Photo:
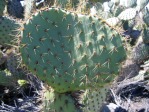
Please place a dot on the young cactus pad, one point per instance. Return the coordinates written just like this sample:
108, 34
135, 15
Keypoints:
71, 52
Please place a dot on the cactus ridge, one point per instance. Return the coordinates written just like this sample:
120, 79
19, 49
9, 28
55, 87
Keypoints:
71, 52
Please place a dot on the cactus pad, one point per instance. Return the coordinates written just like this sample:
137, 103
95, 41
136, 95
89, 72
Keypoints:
13, 64
8, 31
71, 52
140, 52
95, 98
128, 14
56, 102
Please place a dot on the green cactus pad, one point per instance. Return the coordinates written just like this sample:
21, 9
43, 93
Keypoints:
71, 52
56, 102
13, 64
8, 31
2, 6
95, 98
140, 52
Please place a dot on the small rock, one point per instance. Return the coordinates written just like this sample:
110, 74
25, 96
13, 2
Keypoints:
112, 108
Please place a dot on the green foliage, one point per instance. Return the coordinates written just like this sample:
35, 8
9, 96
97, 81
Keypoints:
71, 52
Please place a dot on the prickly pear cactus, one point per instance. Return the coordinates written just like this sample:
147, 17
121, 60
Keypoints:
8, 31
56, 102
71, 52
128, 14
140, 52
95, 98
2, 7
13, 64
